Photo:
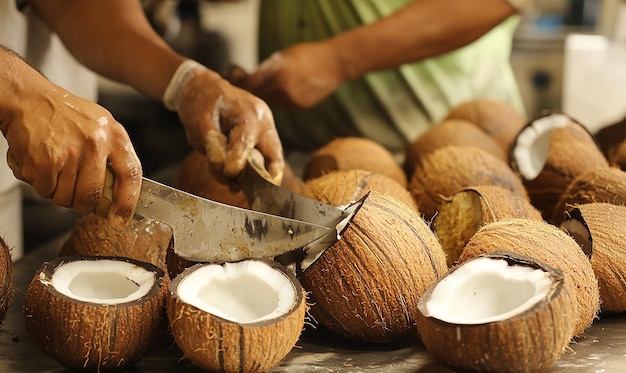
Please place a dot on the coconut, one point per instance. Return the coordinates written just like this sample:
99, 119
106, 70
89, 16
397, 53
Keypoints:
611, 136
550, 245
237, 317
600, 230
339, 188
145, 240
353, 153
365, 287
6, 279
598, 185
499, 312
95, 313
450, 132
446, 171
618, 157
549, 153
469, 209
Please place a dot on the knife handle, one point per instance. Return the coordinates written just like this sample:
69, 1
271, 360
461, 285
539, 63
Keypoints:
104, 205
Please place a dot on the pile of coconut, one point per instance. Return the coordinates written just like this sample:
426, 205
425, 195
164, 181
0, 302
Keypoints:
492, 229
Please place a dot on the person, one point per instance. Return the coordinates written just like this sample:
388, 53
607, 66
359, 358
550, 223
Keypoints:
381, 69
62, 144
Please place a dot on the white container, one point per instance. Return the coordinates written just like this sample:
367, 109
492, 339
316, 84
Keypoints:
7, 180
11, 222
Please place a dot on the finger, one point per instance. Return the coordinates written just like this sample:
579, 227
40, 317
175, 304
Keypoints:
43, 179
241, 140
127, 175
272, 150
263, 75
89, 186
215, 146
63, 194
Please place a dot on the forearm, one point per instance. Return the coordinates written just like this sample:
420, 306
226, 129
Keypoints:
422, 29
114, 39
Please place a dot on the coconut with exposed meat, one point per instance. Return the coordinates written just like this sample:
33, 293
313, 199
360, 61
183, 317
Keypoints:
6, 279
236, 317
498, 312
96, 313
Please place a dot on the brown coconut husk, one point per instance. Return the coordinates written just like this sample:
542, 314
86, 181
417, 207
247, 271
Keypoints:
450, 132
598, 185
600, 229
339, 188
617, 158
459, 218
549, 244
353, 153
447, 170
6, 279
366, 286
496, 117
611, 136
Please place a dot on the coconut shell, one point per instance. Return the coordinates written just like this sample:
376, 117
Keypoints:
353, 153
366, 286
618, 157
572, 152
446, 171
611, 136
471, 208
451, 132
604, 240
528, 342
6, 279
549, 244
598, 185
215, 344
340, 188
145, 240
496, 117
90, 336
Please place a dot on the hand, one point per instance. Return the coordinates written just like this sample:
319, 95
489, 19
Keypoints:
61, 145
225, 123
300, 76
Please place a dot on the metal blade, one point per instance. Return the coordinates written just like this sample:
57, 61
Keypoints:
209, 231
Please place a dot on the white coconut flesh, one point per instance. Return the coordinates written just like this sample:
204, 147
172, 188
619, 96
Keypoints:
486, 290
103, 281
533, 142
579, 232
243, 292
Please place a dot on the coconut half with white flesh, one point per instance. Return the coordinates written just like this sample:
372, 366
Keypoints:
549, 153
600, 230
236, 317
499, 312
95, 313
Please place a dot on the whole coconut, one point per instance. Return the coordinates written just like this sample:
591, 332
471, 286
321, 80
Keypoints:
549, 244
353, 153
618, 157
6, 279
366, 286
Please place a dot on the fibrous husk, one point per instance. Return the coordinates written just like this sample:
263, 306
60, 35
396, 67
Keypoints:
549, 244
598, 185
339, 188
353, 153
549, 153
90, 335
611, 136
473, 207
366, 286
600, 229
618, 157
447, 170
6, 279
450, 132
146, 240
514, 336
496, 117
216, 343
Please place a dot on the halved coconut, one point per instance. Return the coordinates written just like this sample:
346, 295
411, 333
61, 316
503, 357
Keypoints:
366, 286
353, 153
598, 185
6, 279
471, 208
450, 132
600, 229
447, 170
498, 312
95, 313
146, 240
549, 153
496, 117
236, 317
546, 243
339, 188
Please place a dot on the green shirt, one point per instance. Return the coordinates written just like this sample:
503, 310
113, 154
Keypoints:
393, 107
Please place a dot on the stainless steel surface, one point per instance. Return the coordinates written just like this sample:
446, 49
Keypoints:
602, 348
